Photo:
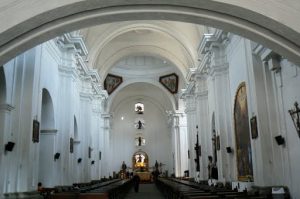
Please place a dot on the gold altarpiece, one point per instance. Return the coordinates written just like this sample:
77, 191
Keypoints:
140, 165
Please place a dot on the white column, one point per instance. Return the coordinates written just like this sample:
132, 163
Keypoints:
106, 153
203, 123
5, 128
223, 112
191, 132
181, 144
96, 119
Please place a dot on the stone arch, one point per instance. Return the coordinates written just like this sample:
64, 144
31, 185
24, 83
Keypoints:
252, 20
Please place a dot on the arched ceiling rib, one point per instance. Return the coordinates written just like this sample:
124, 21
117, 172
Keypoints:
106, 33
172, 38
141, 50
142, 90
271, 24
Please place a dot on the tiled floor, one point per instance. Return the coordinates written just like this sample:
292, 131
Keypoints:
145, 191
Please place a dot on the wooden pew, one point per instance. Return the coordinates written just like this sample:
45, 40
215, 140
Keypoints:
65, 195
93, 196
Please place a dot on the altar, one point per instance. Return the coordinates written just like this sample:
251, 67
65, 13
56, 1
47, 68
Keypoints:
140, 165
144, 176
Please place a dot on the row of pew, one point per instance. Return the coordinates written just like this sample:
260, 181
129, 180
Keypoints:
180, 189
113, 189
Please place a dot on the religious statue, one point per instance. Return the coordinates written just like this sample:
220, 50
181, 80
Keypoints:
139, 109
140, 124
124, 167
140, 141
212, 169
156, 165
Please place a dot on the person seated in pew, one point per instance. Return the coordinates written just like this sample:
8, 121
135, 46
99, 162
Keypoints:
40, 187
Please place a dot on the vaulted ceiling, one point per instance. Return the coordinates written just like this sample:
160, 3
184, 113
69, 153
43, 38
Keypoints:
172, 42
142, 51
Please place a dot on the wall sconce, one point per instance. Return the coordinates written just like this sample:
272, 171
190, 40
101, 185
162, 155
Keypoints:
279, 139
9, 146
229, 149
56, 156
93, 162
295, 114
79, 160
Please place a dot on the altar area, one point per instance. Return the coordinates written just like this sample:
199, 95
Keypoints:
140, 165
144, 176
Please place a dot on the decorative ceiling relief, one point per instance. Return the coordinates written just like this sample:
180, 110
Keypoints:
139, 108
139, 123
170, 82
112, 82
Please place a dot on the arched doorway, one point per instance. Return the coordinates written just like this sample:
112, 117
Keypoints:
47, 141
45, 22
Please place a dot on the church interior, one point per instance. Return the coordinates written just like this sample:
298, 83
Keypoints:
169, 93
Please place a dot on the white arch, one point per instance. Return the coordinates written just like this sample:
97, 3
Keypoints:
134, 81
47, 116
133, 50
277, 30
115, 30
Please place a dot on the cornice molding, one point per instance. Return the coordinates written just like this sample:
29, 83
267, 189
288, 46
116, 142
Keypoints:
72, 41
106, 115
219, 69
202, 94
6, 107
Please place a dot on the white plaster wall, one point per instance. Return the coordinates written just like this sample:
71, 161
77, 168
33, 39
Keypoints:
237, 61
157, 134
270, 95
288, 159
26, 76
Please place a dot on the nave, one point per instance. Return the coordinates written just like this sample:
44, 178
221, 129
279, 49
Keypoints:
146, 191
100, 99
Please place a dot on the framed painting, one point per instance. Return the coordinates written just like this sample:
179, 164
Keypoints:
242, 135
253, 124
71, 145
112, 82
35, 131
170, 82
218, 143
90, 152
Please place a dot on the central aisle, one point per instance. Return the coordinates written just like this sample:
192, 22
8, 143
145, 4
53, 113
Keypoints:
145, 191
